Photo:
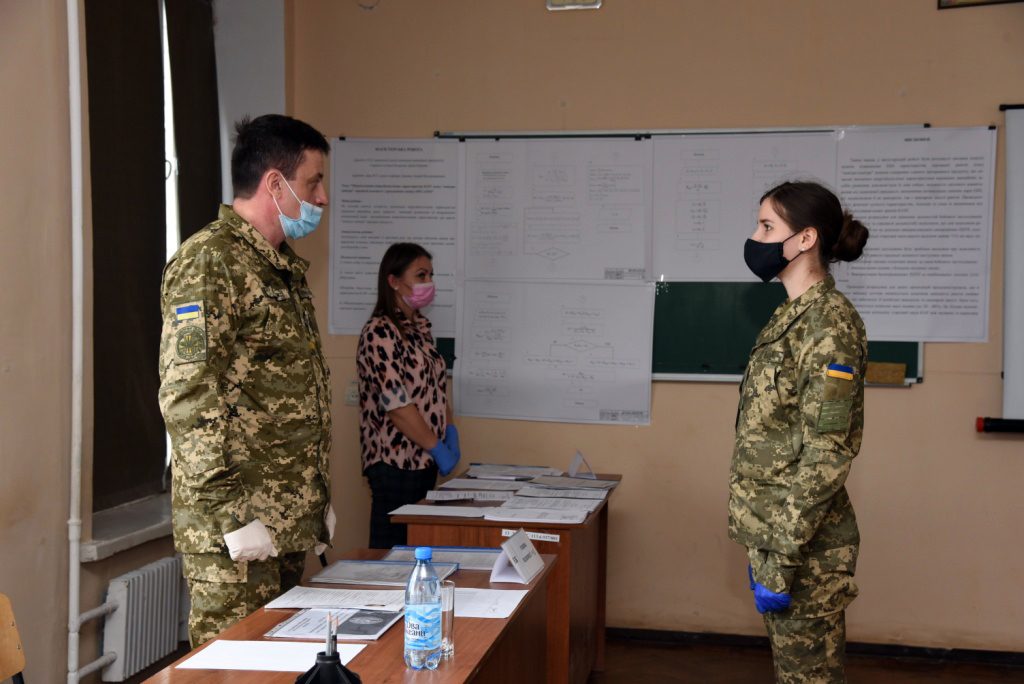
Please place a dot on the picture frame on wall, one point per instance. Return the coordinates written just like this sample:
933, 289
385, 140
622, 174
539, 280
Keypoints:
953, 4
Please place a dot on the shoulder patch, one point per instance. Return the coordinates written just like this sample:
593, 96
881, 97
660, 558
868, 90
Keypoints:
834, 416
189, 321
190, 344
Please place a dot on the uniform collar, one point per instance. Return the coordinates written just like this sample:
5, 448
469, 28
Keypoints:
789, 311
284, 259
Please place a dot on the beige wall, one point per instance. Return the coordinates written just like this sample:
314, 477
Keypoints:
936, 501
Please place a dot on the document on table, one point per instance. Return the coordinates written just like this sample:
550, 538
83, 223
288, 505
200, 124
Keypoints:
266, 656
487, 603
467, 557
493, 471
491, 485
468, 495
586, 505
358, 625
314, 597
596, 494
389, 573
447, 511
574, 483
545, 515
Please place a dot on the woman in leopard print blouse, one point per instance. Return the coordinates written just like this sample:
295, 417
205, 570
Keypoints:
405, 423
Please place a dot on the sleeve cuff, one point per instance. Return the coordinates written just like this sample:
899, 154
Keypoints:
774, 577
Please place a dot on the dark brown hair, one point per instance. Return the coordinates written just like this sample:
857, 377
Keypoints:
394, 263
810, 205
271, 141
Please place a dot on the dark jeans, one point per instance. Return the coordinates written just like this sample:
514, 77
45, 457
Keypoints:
393, 487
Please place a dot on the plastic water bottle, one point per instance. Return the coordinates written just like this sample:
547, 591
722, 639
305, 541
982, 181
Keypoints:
423, 614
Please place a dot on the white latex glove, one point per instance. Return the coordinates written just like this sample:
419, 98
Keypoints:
251, 542
330, 521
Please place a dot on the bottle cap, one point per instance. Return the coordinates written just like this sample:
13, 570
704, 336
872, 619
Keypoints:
423, 553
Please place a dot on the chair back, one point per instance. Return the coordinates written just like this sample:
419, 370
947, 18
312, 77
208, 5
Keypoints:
12, 657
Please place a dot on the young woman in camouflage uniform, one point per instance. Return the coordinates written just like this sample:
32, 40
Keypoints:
798, 427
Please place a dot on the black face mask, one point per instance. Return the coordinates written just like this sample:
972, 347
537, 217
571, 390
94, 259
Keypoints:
765, 259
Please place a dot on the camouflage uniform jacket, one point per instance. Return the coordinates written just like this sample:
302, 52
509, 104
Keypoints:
244, 390
798, 427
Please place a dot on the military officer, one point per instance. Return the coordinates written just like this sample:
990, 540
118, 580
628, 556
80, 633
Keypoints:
244, 387
798, 427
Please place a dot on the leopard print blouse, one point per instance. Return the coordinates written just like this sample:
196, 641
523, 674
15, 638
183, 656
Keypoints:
395, 371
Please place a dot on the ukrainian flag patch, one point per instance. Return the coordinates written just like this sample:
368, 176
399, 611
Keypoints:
836, 370
187, 312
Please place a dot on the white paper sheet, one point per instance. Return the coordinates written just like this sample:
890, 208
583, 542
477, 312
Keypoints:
532, 490
483, 485
487, 603
467, 558
467, 495
352, 625
494, 471
265, 656
393, 573
706, 193
926, 197
555, 351
446, 511
558, 504
557, 209
574, 483
535, 515
314, 597
385, 191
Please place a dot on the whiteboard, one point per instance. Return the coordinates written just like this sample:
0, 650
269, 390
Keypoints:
385, 191
706, 193
557, 209
574, 352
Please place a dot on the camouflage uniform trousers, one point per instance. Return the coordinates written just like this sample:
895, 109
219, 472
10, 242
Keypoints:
808, 650
223, 591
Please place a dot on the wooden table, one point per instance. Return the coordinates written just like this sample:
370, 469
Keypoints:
486, 650
576, 590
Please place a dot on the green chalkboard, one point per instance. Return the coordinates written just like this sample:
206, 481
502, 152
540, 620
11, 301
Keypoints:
709, 328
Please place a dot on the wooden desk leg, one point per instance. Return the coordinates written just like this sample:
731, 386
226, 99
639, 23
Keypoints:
602, 581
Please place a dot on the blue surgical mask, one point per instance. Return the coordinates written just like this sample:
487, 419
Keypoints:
309, 217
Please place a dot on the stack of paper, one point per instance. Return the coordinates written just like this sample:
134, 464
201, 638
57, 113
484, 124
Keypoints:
467, 557
492, 485
359, 625
386, 573
573, 482
524, 515
585, 505
448, 511
313, 597
532, 490
493, 471
467, 495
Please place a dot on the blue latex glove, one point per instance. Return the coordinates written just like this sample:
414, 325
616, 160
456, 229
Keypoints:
767, 601
443, 457
750, 574
451, 440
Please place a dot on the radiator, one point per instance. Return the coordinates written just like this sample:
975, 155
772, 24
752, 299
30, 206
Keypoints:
145, 626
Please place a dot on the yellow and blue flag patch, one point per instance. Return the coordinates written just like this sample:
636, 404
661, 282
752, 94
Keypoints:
836, 370
187, 312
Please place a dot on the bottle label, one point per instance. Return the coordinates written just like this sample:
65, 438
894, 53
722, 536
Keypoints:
423, 626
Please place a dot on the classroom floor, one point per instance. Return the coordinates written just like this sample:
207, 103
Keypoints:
635, 662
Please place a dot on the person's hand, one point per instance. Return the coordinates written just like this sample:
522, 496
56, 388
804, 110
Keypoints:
767, 601
451, 440
250, 543
444, 457
329, 522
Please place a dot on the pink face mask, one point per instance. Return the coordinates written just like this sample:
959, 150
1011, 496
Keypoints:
422, 295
